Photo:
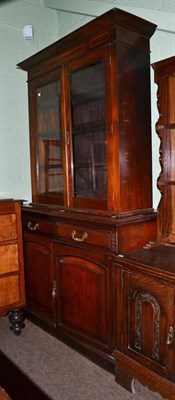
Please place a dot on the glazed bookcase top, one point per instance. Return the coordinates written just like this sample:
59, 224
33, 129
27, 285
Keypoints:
89, 94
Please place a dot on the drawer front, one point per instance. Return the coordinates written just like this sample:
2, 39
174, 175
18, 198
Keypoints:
9, 258
38, 226
8, 229
81, 235
9, 290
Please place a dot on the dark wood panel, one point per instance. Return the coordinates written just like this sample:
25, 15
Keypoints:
148, 306
38, 275
78, 234
84, 306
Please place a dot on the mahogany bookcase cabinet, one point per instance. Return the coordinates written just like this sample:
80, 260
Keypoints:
90, 140
147, 351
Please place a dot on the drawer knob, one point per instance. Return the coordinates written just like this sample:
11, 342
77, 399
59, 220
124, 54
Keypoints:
32, 227
77, 239
170, 335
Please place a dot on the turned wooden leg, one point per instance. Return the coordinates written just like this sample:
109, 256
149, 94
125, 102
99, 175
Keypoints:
16, 318
124, 380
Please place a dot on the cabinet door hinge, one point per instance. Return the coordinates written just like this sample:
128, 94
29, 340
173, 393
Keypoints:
54, 289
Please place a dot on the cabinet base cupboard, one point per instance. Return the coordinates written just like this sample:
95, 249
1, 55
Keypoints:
68, 258
90, 141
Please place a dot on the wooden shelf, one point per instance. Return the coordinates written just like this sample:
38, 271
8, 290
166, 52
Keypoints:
88, 95
50, 135
96, 126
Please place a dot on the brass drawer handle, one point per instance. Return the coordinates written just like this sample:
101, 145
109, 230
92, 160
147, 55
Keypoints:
32, 227
84, 236
170, 335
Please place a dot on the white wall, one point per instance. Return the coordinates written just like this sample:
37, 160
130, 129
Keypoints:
49, 25
14, 133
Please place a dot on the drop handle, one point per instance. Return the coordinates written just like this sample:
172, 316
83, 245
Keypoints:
77, 239
32, 227
170, 335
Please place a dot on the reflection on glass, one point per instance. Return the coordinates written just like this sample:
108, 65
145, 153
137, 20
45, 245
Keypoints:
89, 131
49, 151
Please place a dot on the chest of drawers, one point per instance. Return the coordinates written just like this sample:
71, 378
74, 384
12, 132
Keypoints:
12, 288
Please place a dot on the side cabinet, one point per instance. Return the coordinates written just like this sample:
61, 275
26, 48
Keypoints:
84, 296
38, 275
148, 306
147, 350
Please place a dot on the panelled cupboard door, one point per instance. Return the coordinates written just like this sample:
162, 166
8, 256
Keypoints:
84, 290
38, 275
148, 323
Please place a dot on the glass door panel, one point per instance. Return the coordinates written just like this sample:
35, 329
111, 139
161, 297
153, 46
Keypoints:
89, 131
49, 148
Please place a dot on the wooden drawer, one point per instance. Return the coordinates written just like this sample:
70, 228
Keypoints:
38, 226
84, 235
8, 229
9, 290
9, 258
